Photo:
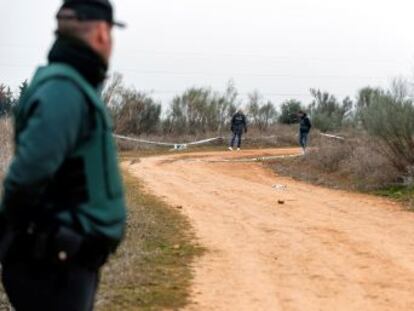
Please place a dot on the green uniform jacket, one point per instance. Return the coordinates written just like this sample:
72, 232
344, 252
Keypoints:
65, 160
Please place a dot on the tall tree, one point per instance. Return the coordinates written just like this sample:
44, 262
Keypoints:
328, 114
289, 110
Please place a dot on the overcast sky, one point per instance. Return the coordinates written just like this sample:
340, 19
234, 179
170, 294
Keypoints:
282, 48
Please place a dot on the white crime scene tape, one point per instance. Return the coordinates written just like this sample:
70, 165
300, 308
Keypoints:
332, 136
176, 146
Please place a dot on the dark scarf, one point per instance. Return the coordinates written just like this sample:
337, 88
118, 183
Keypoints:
80, 56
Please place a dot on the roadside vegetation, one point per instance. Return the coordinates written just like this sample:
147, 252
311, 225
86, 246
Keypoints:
5, 155
5, 144
377, 154
152, 269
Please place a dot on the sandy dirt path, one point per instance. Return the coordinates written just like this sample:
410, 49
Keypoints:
321, 250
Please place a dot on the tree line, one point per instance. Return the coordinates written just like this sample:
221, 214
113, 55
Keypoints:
200, 110
387, 115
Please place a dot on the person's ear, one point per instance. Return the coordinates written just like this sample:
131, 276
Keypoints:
104, 34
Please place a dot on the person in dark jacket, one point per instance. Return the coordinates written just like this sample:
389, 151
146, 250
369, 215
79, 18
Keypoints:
304, 129
63, 212
238, 127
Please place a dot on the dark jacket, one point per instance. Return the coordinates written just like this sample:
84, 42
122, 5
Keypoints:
239, 123
305, 124
59, 120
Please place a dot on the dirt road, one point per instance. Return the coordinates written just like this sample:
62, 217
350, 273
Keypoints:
321, 250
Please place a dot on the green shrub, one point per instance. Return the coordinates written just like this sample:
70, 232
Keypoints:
327, 113
389, 119
289, 110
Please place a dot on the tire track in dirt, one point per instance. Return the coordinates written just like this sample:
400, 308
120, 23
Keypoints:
321, 250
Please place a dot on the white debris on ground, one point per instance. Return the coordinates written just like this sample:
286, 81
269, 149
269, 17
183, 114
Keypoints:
279, 187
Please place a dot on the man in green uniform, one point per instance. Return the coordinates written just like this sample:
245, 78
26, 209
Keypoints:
62, 210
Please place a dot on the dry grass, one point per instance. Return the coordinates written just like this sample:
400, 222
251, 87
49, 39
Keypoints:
278, 135
351, 164
6, 148
152, 269
6, 145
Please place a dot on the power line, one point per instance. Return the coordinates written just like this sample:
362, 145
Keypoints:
257, 56
268, 57
250, 74
247, 74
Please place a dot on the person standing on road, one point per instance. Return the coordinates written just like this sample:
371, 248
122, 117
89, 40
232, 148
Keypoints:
238, 127
62, 212
304, 129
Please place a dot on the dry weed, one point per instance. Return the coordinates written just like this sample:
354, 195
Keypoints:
6, 145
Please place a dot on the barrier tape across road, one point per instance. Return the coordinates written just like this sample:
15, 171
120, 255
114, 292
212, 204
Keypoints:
333, 136
183, 146
176, 146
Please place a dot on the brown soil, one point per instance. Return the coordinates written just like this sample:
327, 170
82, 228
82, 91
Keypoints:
322, 249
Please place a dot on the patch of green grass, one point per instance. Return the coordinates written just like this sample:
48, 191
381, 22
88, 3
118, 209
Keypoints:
151, 271
399, 193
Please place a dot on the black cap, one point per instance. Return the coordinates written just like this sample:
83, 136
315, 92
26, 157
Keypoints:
89, 10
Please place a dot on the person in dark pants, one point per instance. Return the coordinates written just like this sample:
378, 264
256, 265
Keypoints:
304, 129
63, 212
238, 127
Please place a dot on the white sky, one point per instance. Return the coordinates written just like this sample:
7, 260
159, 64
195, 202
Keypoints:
282, 48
